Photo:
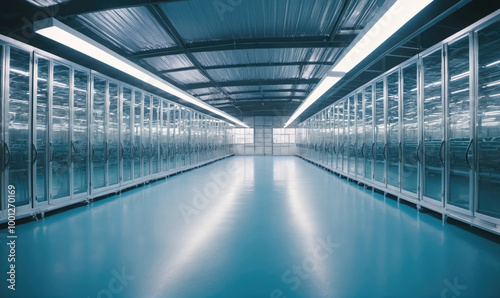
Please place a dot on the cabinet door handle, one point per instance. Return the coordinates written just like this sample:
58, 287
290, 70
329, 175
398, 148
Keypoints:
122, 151
363, 150
7, 150
373, 151
418, 152
384, 152
35, 151
73, 151
93, 152
400, 152
51, 147
441, 153
467, 154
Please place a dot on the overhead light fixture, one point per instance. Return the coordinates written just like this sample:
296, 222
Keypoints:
59, 32
323, 86
393, 19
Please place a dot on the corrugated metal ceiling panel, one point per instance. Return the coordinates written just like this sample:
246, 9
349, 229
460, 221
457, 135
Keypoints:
130, 29
253, 73
197, 92
168, 62
241, 89
187, 77
227, 20
251, 56
46, 3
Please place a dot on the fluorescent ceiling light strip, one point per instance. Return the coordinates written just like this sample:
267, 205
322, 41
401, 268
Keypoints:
396, 17
59, 32
322, 87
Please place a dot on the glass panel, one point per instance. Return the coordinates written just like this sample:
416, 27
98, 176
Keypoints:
17, 121
459, 123
177, 138
340, 129
335, 137
113, 141
393, 145
2, 161
127, 152
146, 136
98, 133
137, 145
379, 133
60, 133
172, 137
410, 129
182, 132
164, 138
359, 135
345, 139
488, 121
352, 135
80, 132
155, 138
369, 142
187, 128
433, 126
41, 127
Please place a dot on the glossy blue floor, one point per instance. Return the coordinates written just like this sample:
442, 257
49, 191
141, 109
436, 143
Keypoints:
251, 227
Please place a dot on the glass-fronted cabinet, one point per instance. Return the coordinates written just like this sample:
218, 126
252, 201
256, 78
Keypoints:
393, 147
80, 136
379, 132
16, 114
410, 144
433, 127
460, 131
488, 123
137, 135
126, 138
40, 132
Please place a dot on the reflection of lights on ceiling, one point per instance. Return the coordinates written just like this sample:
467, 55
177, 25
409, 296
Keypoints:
492, 84
18, 71
495, 95
460, 91
61, 85
492, 64
459, 76
433, 84
432, 98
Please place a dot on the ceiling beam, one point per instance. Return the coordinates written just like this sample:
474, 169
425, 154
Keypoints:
253, 83
270, 90
254, 99
341, 41
77, 7
169, 28
279, 64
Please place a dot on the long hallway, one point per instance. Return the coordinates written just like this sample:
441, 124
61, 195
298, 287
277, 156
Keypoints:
252, 227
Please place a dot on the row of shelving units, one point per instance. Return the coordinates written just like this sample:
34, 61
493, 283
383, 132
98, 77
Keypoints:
426, 131
69, 134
